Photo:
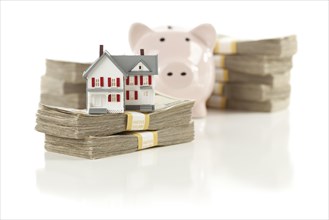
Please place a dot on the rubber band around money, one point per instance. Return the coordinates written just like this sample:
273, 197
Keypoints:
146, 139
137, 121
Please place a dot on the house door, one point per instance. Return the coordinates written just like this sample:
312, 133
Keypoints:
98, 100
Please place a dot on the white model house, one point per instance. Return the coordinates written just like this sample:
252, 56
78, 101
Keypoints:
119, 83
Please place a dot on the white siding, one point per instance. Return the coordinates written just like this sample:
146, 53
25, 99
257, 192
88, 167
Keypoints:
105, 68
101, 100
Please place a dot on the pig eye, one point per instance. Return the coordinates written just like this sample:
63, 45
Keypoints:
162, 39
169, 74
187, 39
183, 74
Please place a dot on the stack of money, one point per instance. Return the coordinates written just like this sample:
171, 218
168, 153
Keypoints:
252, 75
76, 133
63, 84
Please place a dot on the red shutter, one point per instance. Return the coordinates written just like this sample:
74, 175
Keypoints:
127, 81
136, 95
118, 97
109, 98
93, 82
150, 80
136, 80
109, 82
102, 81
118, 82
141, 80
127, 95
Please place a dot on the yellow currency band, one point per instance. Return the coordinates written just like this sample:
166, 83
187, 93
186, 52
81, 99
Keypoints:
140, 139
147, 121
220, 88
225, 75
130, 121
222, 64
223, 102
233, 46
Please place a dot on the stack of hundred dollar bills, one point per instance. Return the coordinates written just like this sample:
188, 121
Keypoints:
253, 75
63, 85
76, 133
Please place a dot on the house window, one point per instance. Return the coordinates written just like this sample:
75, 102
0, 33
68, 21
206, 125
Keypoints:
114, 98
97, 82
140, 67
133, 80
145, 93
146, 80
113, 82
131, 95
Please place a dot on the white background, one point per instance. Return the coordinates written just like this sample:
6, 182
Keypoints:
241, 165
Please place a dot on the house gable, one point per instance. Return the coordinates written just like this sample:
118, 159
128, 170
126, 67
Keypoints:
105, 65
140, 67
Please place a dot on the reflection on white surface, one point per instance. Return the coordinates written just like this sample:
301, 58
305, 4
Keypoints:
231, 149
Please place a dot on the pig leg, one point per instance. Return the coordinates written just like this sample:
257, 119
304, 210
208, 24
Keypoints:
199, 110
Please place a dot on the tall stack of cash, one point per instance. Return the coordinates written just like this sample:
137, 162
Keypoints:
253, 75
63, 84
74, 132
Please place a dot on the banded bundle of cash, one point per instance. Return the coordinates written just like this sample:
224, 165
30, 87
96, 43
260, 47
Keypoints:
76, 133
63, 84
252, 75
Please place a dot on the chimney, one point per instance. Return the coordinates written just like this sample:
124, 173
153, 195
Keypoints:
142, 52
101, 50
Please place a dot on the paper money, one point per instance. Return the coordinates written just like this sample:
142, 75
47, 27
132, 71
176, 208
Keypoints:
281, 47
100, 147
231, 76
220, 102
258, 65
74, 123
63, 84
55, 86
66, 71
74, 100
251, 92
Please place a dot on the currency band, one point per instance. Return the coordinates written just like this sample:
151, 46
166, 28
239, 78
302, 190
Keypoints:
219, 60
137, 121
218, 89
226, 46
222, 75
146, 139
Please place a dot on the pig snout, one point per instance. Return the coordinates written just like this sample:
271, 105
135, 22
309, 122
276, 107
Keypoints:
176, 75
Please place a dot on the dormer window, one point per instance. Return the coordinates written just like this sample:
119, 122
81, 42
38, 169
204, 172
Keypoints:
140, 67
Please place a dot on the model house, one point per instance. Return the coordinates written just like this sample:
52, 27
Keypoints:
119, 83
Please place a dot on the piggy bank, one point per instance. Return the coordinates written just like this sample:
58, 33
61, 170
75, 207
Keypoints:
185, 60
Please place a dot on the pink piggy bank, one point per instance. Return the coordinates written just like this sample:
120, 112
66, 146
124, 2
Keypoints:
185, 60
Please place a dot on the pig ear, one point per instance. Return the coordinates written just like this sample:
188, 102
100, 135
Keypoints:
137, 30
206, 33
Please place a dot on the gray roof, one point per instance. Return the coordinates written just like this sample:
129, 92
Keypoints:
126, 63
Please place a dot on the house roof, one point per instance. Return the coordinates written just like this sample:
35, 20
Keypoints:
126, 63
